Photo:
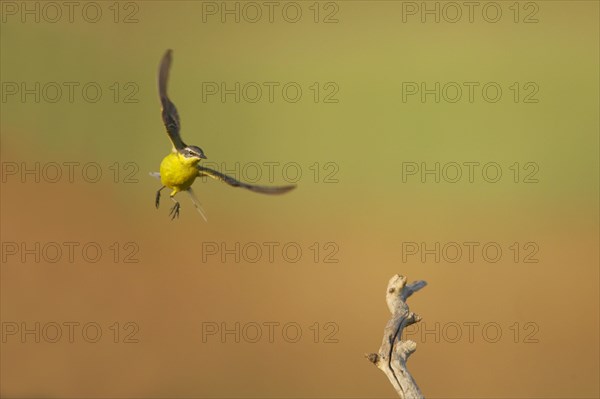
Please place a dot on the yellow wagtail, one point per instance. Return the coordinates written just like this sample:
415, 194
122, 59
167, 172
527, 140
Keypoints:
179, 169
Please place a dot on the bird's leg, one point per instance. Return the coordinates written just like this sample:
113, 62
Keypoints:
157, 201
175, 210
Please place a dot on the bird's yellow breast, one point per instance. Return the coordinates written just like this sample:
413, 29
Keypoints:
178, 172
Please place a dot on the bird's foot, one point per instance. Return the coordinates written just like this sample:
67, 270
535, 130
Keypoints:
157, 200
175, 211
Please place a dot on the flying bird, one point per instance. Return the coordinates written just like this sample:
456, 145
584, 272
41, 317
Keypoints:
181, 167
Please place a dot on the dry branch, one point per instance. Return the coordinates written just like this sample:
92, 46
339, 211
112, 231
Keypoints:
394, 352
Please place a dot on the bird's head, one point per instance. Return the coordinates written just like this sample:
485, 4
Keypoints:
192, 153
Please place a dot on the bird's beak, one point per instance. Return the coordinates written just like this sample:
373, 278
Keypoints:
202, 156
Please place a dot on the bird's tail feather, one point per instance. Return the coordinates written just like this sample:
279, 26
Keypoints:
155, 174
197, 203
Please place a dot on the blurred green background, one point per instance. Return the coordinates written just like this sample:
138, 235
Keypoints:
368, 134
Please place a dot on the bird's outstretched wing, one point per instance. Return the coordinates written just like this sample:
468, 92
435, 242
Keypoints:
204, 171
169, 112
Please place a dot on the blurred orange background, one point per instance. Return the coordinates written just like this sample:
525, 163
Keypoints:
353, 220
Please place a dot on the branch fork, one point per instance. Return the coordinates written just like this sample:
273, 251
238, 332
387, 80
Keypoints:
393, 353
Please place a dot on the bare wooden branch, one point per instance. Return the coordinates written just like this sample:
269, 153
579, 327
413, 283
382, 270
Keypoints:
394, 352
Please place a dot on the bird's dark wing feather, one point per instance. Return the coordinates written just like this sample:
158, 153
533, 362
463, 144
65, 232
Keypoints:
203, 171
169, 112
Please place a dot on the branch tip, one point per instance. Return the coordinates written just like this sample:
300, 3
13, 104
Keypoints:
373, 358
